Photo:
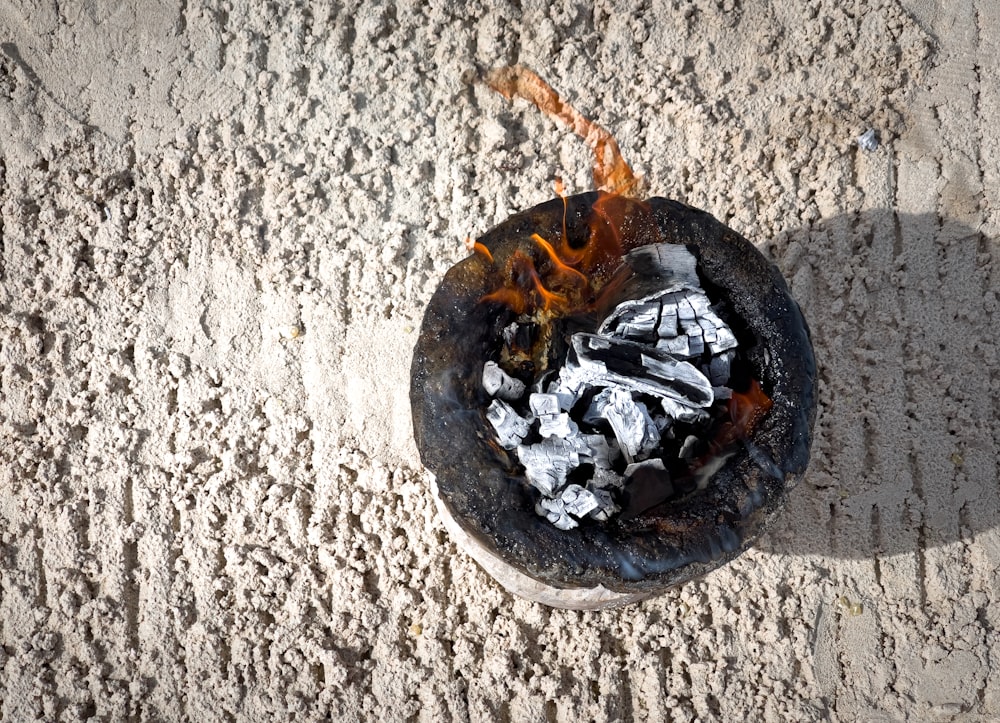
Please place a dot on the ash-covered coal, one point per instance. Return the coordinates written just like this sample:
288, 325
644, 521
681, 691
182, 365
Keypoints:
631, 419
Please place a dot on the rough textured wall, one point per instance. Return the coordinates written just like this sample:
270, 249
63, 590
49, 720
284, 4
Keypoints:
218, 230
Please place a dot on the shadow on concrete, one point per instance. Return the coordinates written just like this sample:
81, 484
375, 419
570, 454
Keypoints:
903, 312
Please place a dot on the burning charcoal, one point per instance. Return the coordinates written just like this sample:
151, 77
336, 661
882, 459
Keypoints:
674, 262
667, 327
579, 501
552, 422
678, 346
510, 427
685, 310
696, 345
605, 479
606, 507
557, 425
700, 303
500, 384
606, 361
543, 404
549, 384
598, 451
555, 512
634, 428
636, 320
647, 484
708, 329
547, 463
719, 369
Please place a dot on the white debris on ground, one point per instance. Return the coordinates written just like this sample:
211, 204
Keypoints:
654, 362
868, 141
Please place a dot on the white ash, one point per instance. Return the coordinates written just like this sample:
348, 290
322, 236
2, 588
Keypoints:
654, 363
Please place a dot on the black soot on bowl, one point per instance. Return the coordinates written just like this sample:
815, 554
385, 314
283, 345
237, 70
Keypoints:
483, 488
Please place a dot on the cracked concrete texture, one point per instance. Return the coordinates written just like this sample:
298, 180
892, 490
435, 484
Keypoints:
218, 231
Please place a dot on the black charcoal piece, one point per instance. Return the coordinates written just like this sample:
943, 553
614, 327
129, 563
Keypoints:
647, 484
673, 263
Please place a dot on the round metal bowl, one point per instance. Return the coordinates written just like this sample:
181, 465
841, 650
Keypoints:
484, 499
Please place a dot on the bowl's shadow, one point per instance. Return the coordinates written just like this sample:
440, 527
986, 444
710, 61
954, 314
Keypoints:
903, 312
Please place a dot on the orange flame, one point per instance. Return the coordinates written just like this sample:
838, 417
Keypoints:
478, 248
568, 278
558, 265
747, 409
611, 172
524, 290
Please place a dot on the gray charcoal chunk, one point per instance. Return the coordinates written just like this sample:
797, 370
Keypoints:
598, 451
606, 507
543, 404
500, 384
679, 346
637, 320
631, 422
554, 510
510, 427
547, 463
557, 425
579, 501
719, 369
725, 340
